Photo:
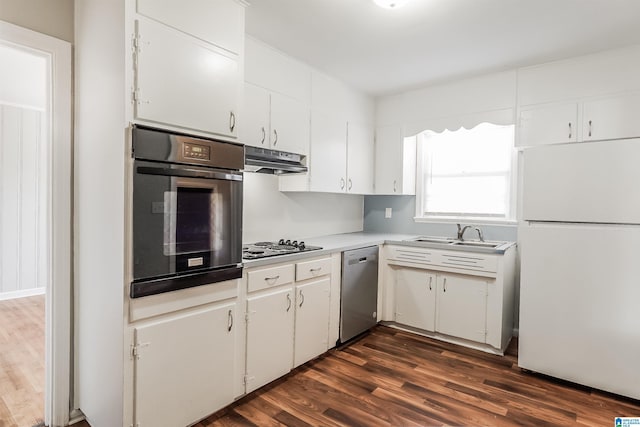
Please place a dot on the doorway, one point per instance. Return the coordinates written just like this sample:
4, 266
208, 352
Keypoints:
35, 228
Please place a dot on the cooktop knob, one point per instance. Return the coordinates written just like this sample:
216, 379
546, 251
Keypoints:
281, 242
301, 246
294, 243
288, 243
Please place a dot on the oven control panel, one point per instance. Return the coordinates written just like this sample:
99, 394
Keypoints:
196, 151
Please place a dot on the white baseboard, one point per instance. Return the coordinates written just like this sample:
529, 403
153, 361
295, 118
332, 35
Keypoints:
21, 293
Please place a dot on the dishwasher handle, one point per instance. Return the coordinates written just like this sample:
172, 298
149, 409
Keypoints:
363, 259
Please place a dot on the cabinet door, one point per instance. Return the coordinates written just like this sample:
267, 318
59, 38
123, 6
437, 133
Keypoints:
184, 82
289, 125
328, 153
549, 124
312, 320
395, 162
415, 298
220, 22
462, 307
254, 128
184, 366
360, 159
612, 118
269, 337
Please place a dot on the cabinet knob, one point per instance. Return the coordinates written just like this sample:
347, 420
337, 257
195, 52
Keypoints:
350, 184
230, 321
395, 186
342, 183
301, 299
444, 285
275, 136
430, 281
570, 132
590, 128
264, 135
288, 302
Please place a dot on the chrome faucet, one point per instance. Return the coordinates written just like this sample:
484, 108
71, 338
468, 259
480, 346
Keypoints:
461, 231
480, 236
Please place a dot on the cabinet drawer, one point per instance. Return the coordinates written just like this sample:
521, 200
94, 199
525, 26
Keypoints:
413, 255
269, 277
469, 261
310, 269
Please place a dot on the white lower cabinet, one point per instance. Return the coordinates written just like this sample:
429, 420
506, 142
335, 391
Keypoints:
312, 320
270, 320
464, 297
461, 310
415, 298
184, 366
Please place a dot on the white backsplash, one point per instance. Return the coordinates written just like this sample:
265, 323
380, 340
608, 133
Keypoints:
271, 215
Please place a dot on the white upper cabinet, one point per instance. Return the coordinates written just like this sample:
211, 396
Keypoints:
184, 82
255, 126
612, 117
220, 22
548, 124
328, 153
395, 162
360, 158
289, 124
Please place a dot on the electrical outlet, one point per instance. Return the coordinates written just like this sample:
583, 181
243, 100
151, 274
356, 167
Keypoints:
387, 213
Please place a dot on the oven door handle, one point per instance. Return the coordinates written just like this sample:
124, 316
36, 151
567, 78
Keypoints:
189, 173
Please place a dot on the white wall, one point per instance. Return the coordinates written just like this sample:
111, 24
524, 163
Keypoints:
23, 201
100, 130
271, 215
51, 17
23, 195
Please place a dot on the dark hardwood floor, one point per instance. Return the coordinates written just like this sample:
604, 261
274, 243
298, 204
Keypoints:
393, 378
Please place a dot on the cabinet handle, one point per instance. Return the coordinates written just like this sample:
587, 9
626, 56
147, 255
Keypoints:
230, 321
350, 184
275, 136
313, 270
301, 299
430, 281
570, 132
342, 183
589, 127
232, 121
444, 285
395, 186
264, 135
266, 279
288, 302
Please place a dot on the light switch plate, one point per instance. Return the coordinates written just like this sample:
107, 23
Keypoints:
387, 213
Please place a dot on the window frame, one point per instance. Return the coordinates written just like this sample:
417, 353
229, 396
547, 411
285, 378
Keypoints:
422, 168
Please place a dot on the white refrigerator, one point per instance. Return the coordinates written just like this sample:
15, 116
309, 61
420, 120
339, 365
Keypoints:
580, 264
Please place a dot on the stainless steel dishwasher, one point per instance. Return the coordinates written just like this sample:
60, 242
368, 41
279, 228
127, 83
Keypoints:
359, 294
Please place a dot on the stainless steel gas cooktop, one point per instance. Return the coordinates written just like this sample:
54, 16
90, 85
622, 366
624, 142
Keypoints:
269, 249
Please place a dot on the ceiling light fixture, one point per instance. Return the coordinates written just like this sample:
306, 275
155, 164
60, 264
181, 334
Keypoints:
391, 4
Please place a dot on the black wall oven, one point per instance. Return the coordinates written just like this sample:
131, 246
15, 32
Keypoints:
187, 211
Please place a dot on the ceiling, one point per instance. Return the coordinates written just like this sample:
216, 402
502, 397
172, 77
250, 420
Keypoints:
381, 51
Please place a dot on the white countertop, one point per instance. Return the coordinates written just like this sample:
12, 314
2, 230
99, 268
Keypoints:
347, 241
331, 244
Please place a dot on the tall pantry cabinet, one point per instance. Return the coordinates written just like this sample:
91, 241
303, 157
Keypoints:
165, 63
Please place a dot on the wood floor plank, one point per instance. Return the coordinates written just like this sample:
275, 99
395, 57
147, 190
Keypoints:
22, 361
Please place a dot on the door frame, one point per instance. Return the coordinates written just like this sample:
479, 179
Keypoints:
58, 299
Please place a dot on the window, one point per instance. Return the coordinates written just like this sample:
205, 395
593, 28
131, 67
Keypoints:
466, 174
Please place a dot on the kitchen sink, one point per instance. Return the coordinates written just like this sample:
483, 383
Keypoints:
438, 242
433, 240
478, 244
